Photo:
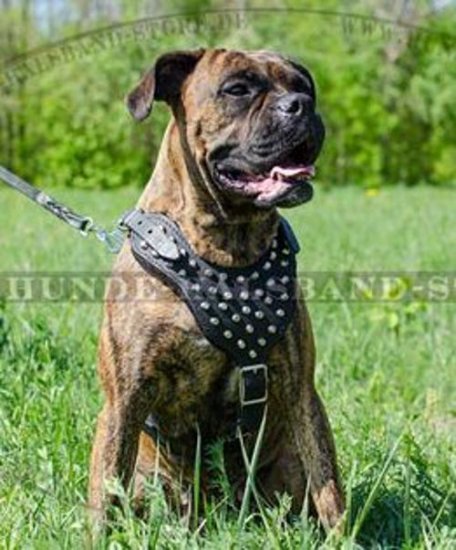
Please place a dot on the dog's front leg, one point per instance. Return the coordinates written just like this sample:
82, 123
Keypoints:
114, 451
314, 440
309, 428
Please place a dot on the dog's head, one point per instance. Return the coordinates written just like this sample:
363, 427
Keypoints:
247, 120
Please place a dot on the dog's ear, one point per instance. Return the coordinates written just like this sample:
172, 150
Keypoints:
163, 82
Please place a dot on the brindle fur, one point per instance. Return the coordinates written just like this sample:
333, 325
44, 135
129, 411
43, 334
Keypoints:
154, 358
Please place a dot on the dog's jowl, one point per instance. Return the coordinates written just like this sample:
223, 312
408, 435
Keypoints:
219, 341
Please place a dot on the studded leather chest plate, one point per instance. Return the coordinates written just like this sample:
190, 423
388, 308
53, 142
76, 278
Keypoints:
242, 311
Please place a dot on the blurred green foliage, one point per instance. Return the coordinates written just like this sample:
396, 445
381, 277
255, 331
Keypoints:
386, 91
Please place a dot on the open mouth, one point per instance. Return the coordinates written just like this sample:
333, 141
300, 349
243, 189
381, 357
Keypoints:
267, 187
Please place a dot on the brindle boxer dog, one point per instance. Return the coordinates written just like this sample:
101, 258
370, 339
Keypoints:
236, 116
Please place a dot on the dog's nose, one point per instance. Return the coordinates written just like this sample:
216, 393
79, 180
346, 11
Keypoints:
294, 104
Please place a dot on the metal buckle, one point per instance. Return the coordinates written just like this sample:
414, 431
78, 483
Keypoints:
252, 368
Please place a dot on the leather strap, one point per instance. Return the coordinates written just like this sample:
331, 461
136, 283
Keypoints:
242, 311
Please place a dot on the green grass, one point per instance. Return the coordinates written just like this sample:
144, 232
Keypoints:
386, 372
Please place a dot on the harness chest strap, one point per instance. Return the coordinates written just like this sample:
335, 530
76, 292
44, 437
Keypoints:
242, 311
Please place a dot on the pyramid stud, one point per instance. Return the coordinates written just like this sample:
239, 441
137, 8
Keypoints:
228, 334
207, 272
240, 279
227, 295
253, 354
196, 287
284, 263
286, 251
261, 342
270, 282
192, 262
249, 328
274, 243
214, 321
272, 329
285, 279
259, 292
223, 276
273, 255
154, 253
144, 245
246, 310
205, 305
284, 297
223, 306
255, 275
244, 295
280, 313
259, 314
236, 317
267, 266
268, 300
241, 344
212, 290
182, 251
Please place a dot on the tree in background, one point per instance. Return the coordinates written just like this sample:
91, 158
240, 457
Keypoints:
385, 91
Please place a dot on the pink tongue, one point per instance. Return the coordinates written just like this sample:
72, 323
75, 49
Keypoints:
278, 180
279, 172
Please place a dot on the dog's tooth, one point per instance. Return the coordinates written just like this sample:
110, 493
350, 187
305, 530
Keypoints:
259, 314
261, 342
280, 312
236, 317
253, 354
241, 344
205, 305
228, 334
272, 329
223, 306
246, 310
249, 328
214, 321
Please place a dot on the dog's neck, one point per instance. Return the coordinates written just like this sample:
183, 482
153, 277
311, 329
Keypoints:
220, 234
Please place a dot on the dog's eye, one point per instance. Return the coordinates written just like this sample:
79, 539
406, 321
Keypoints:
237, 90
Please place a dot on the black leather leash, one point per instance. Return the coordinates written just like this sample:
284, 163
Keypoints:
113, 240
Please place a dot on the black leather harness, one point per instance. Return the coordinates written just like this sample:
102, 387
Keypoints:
242, 311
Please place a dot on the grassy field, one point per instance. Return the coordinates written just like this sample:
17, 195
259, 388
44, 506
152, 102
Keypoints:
386, 372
